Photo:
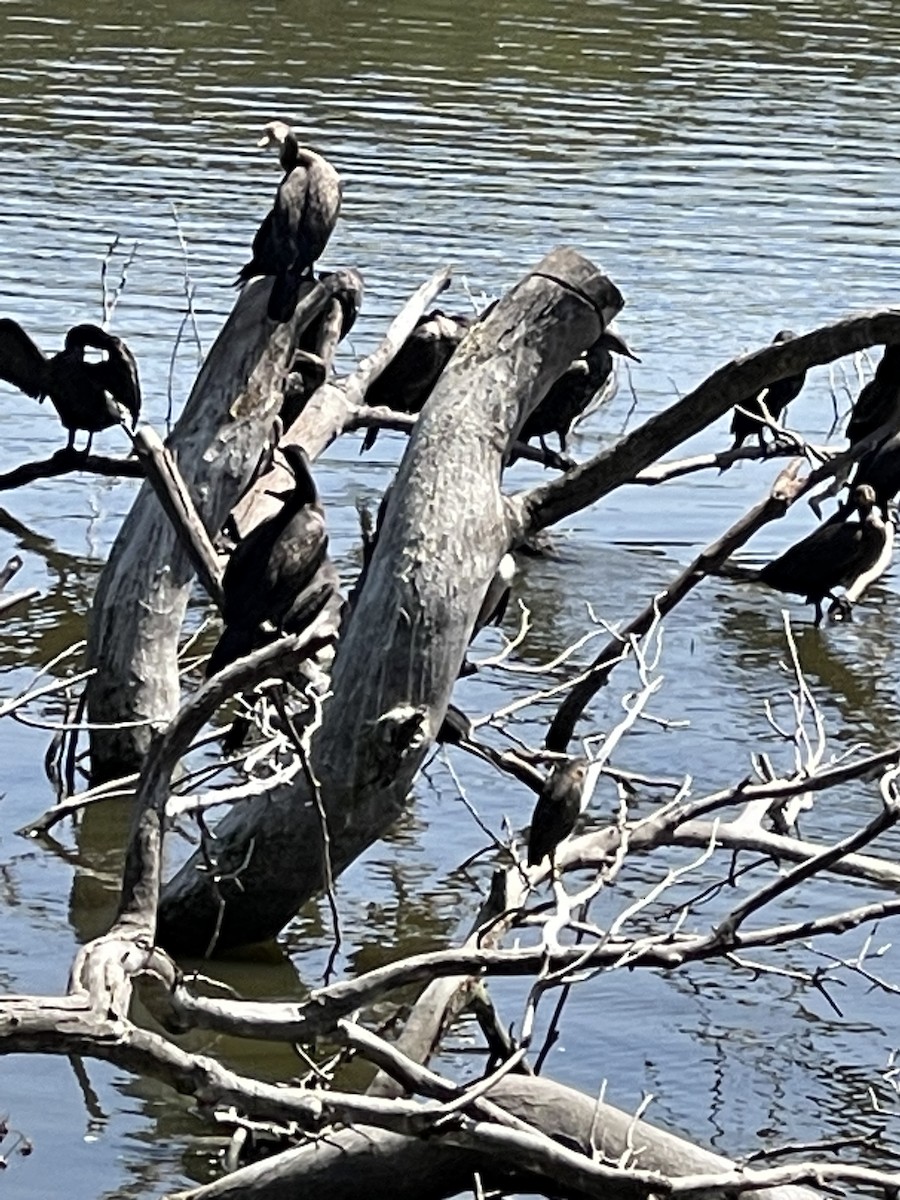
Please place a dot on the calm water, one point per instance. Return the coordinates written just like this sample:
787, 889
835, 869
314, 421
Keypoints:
731, 166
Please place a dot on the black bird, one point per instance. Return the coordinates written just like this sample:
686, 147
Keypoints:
749, 417
880, 469
879, 401
409, 378
309, 369
294, 234
270, 568
571, 394
834, 555
85, 394
563, 798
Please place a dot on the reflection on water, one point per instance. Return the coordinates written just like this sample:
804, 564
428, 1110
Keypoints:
724, 161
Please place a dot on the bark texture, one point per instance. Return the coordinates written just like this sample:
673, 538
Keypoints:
137, 615
363, 1162
445, 531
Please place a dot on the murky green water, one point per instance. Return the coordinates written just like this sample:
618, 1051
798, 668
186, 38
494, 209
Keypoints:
732, 167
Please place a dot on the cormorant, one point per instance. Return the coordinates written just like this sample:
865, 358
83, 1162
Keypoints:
270, 568
84, 393
294, 234
834, 555
563, 798
309, 369
879, 401
409, 378
571, 394
749, 417
880, 469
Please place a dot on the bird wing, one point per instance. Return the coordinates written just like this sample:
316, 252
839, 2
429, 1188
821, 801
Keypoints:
323, 206
21, 362
120, 377
263, 260
295, 558
307, 208
289, 209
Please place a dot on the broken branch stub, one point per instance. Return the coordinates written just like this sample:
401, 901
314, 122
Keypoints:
446, 529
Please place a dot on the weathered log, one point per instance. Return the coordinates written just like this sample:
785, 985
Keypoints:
331, 409
165, 478
142, 595
749, 374
363, 1162
445, 531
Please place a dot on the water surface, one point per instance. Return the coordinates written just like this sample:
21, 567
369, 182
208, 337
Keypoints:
727, 164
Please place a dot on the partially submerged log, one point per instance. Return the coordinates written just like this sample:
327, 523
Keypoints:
142, 596
364, 1161
445, 531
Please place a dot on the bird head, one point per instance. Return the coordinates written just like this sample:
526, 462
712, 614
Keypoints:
864, 499
276, 133
783, 335
280, 134
81, 336
612, 341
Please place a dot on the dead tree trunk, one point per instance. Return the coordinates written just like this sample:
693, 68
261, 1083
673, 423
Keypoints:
446, 529
142, 596
363, 1161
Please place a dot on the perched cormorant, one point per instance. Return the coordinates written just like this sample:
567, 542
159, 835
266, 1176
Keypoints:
879, 401
834, 555
571, 394
563, 798
749, 417
309, 369
880, 469
270, 568
320, 601
84, 393
294, 234
409, 378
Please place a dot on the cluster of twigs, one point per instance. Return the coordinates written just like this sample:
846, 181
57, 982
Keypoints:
556, 945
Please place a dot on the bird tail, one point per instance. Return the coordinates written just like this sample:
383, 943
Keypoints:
235, 642
285, 293
245, 274
733, 570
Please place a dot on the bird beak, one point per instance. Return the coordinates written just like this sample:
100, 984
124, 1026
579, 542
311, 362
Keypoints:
620, 345
263, 141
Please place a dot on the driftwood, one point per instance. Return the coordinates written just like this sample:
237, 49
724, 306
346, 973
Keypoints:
136, 619
390, 714
387, 706
745, 376
446, 526
65, 462
333, 407
366, 1161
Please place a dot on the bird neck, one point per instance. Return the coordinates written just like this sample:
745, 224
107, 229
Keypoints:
81, 336
290, 151
304, 493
